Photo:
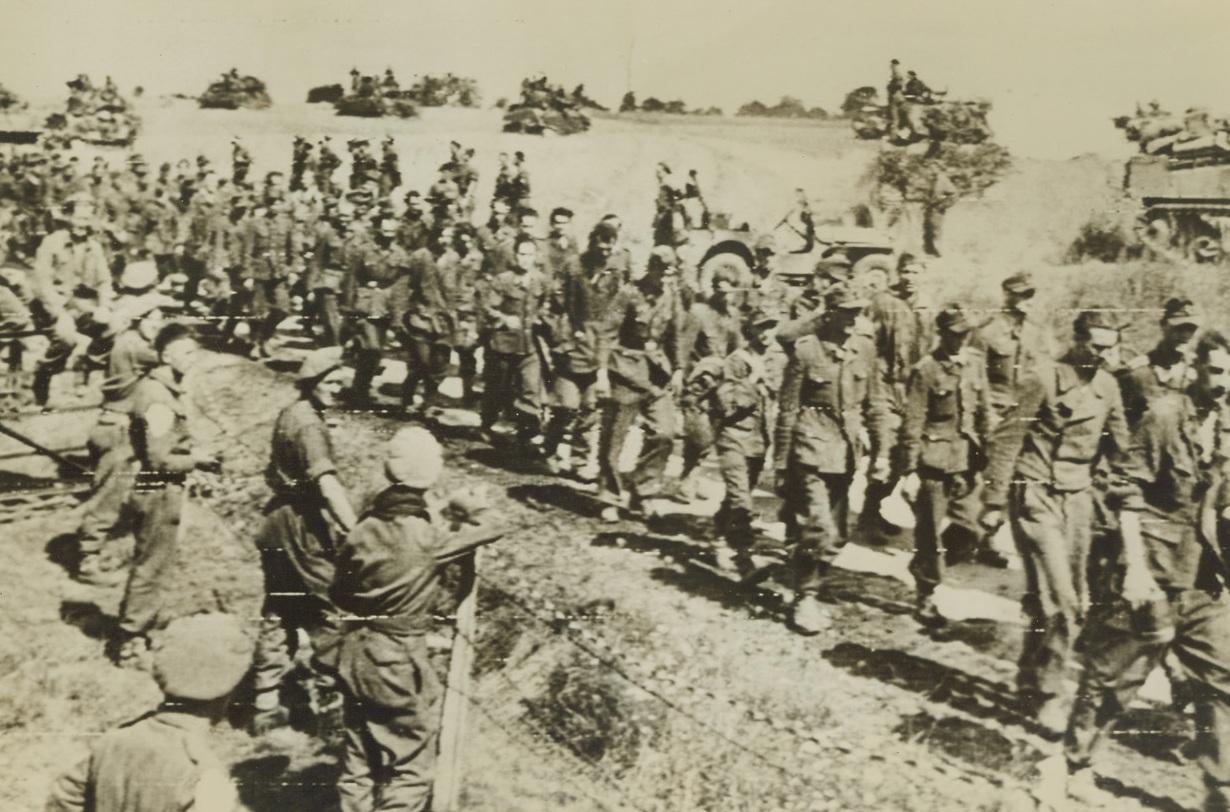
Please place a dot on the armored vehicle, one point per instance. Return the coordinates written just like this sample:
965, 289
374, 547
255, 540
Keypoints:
233, 91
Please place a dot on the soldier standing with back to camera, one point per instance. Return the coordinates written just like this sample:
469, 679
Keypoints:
307, 515
830, 395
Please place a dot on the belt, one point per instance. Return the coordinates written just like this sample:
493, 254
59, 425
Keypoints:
157, 480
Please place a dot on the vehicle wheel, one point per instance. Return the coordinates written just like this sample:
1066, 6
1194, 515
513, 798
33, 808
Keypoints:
726, 265
874, 262
1205, 249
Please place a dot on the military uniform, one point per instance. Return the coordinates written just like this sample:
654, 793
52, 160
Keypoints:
640, 373
110, 449
268, 251
1174, 474
942, 435
830, 395
374, 301
389, 583
1079, 422
512, 369
740, 414
705, 331
158, 431
428, 325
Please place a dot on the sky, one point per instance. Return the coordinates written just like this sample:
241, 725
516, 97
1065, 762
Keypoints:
1056, 72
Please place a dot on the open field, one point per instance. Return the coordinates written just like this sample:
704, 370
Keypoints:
682, 692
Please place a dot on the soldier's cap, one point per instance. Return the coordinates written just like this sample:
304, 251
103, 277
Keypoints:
664, 254
841, 297
952, 319
604, 232
201, 160
1179, 311
561, 211
414, 458
140, 275
136, 159
319, 363
1101, 317
359, 196
1019, 284
201, 657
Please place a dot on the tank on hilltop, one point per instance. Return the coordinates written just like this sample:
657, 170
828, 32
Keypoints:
916, 113
1181, 181
233, 91
96, 115
374, 97
545, 109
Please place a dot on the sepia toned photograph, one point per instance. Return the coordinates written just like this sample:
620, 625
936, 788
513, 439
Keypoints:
680, 406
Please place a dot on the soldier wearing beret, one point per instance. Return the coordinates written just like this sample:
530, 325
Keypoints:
308, 513
830, 396
946, 410
1078, 424
164, 759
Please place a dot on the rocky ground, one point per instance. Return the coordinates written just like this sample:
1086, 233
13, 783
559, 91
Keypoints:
615, 668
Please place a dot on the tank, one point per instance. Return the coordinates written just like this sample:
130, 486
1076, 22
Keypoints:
325, 94
376, 106
545, 109
233, 91
958, 122
99, 116
1185, 202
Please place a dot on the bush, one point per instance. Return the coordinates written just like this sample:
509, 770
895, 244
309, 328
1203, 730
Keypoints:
788, 107
593, 713
1104, 240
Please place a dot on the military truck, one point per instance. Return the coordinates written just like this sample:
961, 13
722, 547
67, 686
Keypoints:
233, 91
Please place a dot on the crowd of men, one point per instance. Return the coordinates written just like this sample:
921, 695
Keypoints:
1109, 473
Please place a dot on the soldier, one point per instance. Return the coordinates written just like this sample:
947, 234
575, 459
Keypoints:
111, 455
326, 166
902, 337
830, 395
164, 759
1172, 592
162, 446
895, 93
241, 162
946, 410
560, 248
374, 302
69, 282
512, 360
916, 90
739, 408
504, 187
636, 382
390, 582
461, 279
326, 272
267, 251
390, 167
1018, 350
1165, 368
443, 197
363, 165
309, 512
519, 186
428, 321
583, 333
1078, 423
414, 229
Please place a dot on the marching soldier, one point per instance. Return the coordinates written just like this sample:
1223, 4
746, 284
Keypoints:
267, 251
1172, 579
1165, 368
902, 338
428, 319
1078, 423
374, 302
512, 366
1018, 350
830, 395
946, 410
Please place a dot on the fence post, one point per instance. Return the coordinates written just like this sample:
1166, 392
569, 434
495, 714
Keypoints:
446, 796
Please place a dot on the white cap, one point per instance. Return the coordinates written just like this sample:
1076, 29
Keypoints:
414, 458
